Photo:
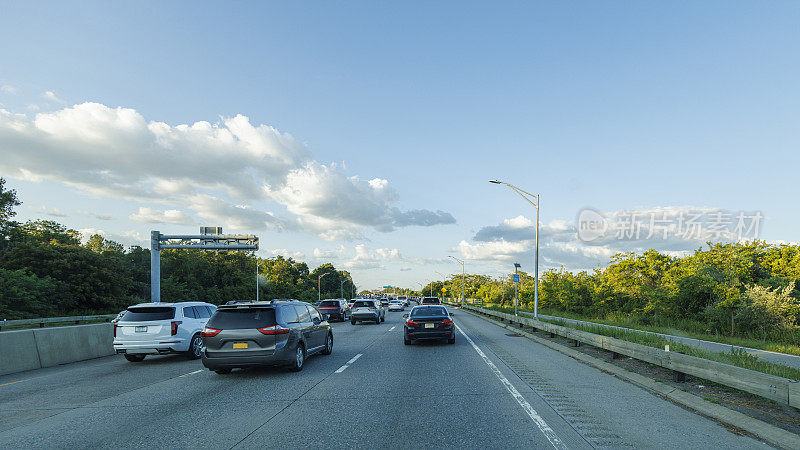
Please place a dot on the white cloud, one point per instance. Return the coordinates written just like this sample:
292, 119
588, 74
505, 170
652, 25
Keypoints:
8, 89
297, 256
52, 97
52, 212
227, 171
336, 253
513, 239
173, 216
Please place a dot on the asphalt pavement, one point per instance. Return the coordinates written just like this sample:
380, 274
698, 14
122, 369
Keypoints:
488, 390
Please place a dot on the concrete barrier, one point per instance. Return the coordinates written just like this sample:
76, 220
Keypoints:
45, 347
18, 352
781, 390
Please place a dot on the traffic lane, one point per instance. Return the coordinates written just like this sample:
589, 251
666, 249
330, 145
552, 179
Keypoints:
198, 408
35, 394
429, 395
638, 417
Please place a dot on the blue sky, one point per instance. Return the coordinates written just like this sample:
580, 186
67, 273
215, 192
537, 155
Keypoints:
612, 105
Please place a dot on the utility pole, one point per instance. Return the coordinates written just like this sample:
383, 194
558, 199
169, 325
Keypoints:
319, 284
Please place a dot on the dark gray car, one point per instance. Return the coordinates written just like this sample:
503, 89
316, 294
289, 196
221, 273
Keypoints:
278, 332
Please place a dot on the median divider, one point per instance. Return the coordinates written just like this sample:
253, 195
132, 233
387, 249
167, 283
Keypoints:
45, 347
778, 389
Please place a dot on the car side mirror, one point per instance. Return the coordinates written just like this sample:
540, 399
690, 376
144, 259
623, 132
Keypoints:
405, 316
316, 321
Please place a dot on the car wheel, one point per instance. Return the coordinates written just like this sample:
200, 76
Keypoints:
195, 347
134, 357
406, 340
328, 345
383, 319
223, 371
352, 321
299, 359
452, 340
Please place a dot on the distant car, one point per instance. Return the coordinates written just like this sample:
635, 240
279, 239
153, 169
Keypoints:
396, 305
367, 310
403, 299
119, 316
428, 322
161, 328
278, 332
384, 302
334, 308
430, 301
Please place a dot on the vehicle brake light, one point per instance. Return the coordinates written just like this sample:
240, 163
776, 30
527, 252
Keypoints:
174, 329
273, 330
115, 330
209, 332
411, 323
446, 322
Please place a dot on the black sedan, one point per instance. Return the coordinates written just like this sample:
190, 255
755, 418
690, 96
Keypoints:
428, 322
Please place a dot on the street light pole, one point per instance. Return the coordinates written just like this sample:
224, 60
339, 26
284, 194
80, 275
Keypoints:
527, 196
463, 275
516, 288
319, 284
256, 275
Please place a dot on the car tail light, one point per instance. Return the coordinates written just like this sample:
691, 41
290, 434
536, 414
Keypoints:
115, 330
273, 330
209, 332
174, 329
445, 322
411, 323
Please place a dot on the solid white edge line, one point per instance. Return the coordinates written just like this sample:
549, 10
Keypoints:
537, 419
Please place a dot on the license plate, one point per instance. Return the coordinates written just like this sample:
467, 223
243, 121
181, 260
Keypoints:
429, 325
238, 345
140, 330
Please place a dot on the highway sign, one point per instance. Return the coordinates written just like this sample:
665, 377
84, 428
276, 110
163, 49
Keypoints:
516, 278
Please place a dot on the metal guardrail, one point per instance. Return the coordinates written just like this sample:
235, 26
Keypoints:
45, 320
781, 390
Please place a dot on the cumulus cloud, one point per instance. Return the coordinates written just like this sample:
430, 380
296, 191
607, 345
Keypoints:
8, 89
297, 256
52, 97
228, 171
52, 212
672, 230
173, 216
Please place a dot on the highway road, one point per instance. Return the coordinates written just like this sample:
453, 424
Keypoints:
773, 357
489, 390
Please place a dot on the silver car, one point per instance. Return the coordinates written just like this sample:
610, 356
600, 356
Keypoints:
367, 311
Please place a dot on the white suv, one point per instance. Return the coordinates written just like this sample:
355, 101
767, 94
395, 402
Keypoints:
161, 328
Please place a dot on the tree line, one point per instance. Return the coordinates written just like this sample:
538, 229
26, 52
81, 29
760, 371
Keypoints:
744, 289
46, 271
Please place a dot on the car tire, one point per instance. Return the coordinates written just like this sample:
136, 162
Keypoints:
352, 321
195, 346
299, 358
223, 371
406, 341
383, 319
328, 345
134, 357
452, 340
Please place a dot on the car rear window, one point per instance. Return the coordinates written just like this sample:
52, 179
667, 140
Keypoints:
429, 311
148, 313
430, 300
363, 304
329, 303
241, 318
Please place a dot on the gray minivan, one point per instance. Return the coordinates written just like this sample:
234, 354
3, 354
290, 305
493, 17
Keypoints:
277, 332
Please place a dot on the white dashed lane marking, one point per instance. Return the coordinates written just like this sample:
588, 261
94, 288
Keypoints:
390, 329
341, 369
